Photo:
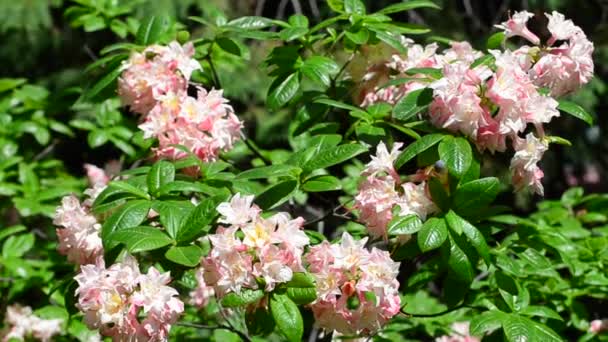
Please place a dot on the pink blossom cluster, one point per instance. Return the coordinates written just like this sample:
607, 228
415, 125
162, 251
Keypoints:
155, 82
460, 333
382, 190
269, 251
417, 56
357, 289
79, 237
598, 326
24, 325
495, 106
126, 305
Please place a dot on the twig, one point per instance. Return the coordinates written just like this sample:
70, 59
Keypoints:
214, 327
314, 8
463, 305
89, 52
296, 6
47, 150
256, 152
259, 7
281, 9
216, 79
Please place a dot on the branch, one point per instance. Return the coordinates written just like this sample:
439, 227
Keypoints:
216, 79
242, 335
463, 305
256, 152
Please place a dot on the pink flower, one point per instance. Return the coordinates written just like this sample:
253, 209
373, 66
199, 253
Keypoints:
96, 175
383, 161
375, 201
79, 238
113, 299
526, 173
560, 28
566, 68
266, 249
598, 325
516, 26
460, 334
22, 325
456, 104
204, 125
153, 73
239, 211
357, 289
415, 200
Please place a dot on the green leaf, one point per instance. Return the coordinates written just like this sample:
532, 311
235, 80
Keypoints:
401, 225
161, 173
334, 155
140, 239
486, 322
355, 111
518, 328
359, 36
287, 317
172, 214
575, 110
151, 29
495, 41
354, 6
408, 5
283, 91
412, 104
8, 231
97, 137
541, 311
228, 45
189, 256
432, 234
417, 147
276, 194
105, 82
460, 263
17, 245
131, 189
320, 69
266, 172
391, 39
302, 295
250, 22
132, 214
470, 197
322, 183
438, 194
245, 297
198, 221
301, 279
460, 225
457, 155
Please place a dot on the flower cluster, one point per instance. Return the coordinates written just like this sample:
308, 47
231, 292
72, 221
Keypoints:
23, 324
398, 66
79, 238
460, 334
598, 326
357, 289
269, 252
495, 106
378, 193
154, 83
113, 299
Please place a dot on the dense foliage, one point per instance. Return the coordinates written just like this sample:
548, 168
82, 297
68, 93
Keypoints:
247, 178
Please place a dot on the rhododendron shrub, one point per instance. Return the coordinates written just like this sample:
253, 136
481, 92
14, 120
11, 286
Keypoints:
374, 211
